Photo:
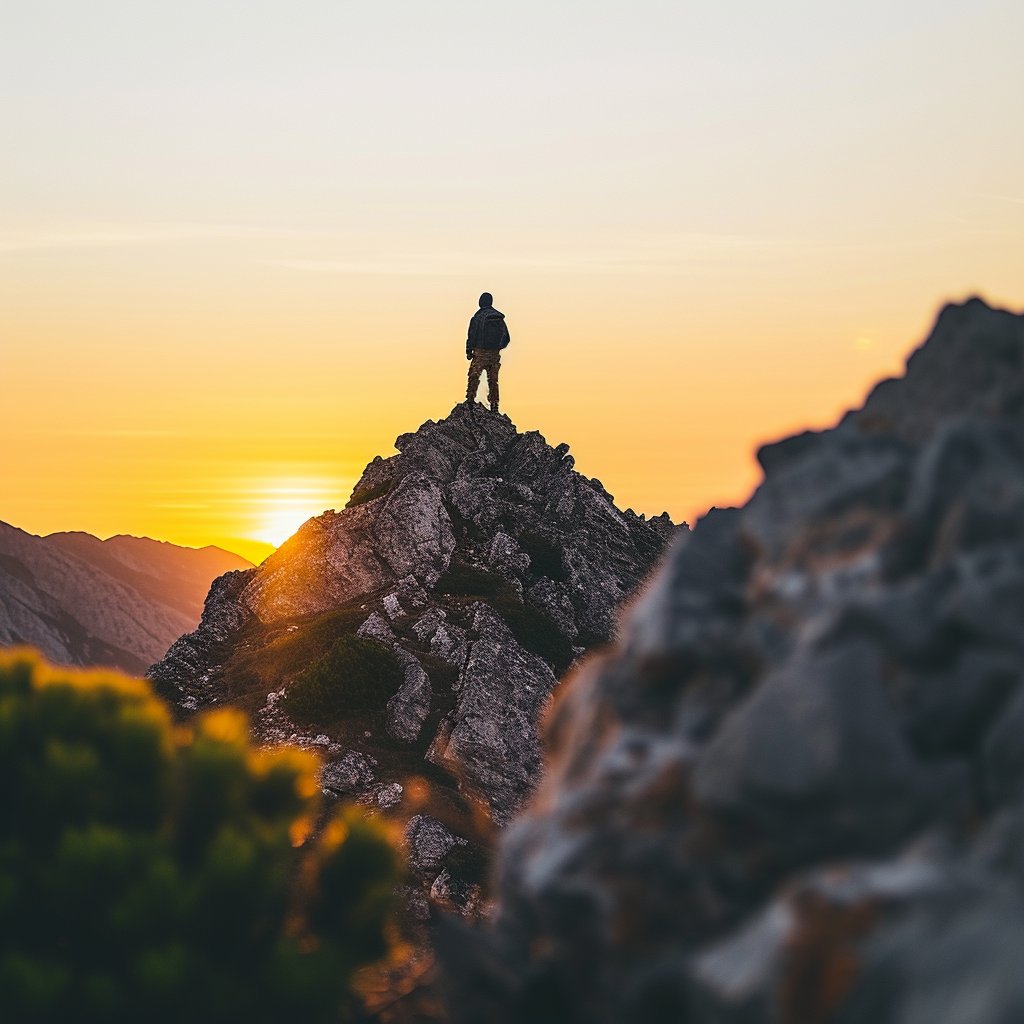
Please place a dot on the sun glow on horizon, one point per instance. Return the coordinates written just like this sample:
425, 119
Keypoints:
286, 507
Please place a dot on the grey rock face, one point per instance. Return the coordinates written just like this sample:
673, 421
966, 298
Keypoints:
352, 773
428, 843
792, 792
389, 795
185, 675
340, 556
408, 709
485, 564
491, 743
818, 733
377, 629
453, 895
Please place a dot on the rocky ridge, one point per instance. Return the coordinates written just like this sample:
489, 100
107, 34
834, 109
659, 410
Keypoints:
793, 792
85, 601
485, 565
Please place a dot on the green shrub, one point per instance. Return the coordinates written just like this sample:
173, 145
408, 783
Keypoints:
537, 633
166, 873
356, 674
468, 581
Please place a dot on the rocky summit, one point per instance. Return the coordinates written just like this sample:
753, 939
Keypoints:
421, 630
793, 792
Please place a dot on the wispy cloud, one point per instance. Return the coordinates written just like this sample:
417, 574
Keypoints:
674, 254
130, 432
98, 236
635, 256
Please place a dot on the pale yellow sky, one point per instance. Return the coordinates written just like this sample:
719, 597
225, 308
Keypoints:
239, 243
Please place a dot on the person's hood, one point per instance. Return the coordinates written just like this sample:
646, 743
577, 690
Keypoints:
490, 313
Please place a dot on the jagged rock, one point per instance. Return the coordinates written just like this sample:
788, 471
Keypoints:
449, 643
819, 733
408, 709
185, 674
817, 920
340, 556
492, 743
506, 557
792, 792
555, 601
352, 773
453, 895
376, 628
427, 625
410, 594
428, 843
389, 795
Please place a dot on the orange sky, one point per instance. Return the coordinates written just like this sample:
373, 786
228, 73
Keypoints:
238, 250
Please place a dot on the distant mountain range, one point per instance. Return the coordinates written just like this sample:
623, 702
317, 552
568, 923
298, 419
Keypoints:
85, 601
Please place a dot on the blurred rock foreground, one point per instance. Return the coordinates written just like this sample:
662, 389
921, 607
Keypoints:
793, 792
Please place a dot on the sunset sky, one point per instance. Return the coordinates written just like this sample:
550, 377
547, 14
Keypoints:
240, 242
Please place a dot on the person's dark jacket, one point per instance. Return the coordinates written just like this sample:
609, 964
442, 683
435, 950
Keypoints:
487, 329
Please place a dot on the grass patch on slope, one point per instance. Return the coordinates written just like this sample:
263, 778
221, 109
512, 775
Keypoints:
356, 674
264, 657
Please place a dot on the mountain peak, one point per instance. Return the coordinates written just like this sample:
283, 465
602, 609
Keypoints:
479, 558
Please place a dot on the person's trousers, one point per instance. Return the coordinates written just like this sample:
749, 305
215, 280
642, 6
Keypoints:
488, 359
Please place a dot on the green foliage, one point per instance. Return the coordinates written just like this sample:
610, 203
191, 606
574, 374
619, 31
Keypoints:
468, 581
356, 674
166, 873
259, 663
378, 490
312, 640
536, 632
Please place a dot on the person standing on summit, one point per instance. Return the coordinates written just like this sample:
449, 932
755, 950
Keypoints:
488, 335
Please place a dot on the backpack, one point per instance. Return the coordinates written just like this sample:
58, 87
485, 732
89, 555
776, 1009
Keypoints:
491, 332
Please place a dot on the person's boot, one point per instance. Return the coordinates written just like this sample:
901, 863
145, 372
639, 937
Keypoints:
494, 408
471, 406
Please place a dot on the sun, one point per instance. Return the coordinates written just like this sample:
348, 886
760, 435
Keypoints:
280, 523
283, 509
